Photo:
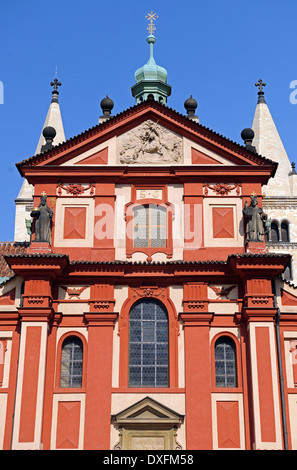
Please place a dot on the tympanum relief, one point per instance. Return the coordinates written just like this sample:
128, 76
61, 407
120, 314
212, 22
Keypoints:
149, 143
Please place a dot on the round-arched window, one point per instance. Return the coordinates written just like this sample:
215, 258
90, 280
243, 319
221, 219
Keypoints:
148, 344
71, 362
225, 362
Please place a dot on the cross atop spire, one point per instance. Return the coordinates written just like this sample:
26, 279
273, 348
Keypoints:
260, 84
55, 83
151, 17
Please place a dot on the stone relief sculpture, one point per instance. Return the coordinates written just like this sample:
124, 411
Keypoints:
256, 220
43, 216
149, 143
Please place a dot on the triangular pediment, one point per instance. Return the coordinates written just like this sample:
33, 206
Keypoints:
147, 411
148, 134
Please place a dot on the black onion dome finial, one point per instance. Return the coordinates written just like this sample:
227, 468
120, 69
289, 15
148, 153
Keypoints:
106, 105
190, 104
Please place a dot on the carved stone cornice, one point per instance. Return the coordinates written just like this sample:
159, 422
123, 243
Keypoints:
281, 245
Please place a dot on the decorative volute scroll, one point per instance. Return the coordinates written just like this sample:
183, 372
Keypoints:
149, 143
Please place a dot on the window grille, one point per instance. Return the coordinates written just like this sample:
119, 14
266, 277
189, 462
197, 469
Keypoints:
149, 224
71, 363
225, 362
148, 345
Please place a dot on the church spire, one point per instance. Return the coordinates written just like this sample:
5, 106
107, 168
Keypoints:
53, 118
53, 124
269, 144
151, 79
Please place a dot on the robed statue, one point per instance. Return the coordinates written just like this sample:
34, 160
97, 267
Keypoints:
255, 220
43, 216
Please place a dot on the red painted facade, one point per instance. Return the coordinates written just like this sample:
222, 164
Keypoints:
84, 283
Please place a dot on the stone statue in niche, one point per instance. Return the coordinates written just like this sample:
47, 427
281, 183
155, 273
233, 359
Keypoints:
256, 220
149, 143
43, 216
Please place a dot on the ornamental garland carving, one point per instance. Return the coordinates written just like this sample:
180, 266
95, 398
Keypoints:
221, 189
149, 143
75, 189
148, 292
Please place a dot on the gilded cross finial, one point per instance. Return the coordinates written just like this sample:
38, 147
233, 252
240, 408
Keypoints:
151, 17
260, 84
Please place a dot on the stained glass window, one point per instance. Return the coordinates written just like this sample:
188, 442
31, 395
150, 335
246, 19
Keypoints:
71, 362
148, 344
225, 362
149, 224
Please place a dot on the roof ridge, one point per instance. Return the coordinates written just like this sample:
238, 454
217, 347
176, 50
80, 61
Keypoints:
122, 114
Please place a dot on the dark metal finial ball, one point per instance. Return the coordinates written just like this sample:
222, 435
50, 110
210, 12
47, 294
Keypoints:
190, 104
49, 132
247, 134
107, 104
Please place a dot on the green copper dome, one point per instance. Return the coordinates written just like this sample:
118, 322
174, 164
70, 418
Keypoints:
151, 79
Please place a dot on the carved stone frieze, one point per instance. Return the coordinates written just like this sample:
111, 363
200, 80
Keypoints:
75, 189
149, 143
221, 189
222, 291
74, 291
148, 292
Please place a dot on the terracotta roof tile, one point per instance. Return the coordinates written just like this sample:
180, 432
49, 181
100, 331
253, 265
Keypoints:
10, 248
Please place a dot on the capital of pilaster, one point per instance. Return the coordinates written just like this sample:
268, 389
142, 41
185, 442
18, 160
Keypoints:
42, 314
196, 319
100, 319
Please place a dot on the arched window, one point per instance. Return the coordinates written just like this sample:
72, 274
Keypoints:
149, 226
225, 362
71, 362
148, 344
274, 233
284, 232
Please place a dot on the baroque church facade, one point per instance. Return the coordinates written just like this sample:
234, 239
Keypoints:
148, 298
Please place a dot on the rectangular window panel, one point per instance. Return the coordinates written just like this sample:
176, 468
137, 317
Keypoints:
148, 331
149, 225
140, 227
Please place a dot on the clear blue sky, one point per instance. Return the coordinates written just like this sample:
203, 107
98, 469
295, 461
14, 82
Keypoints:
214, 50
